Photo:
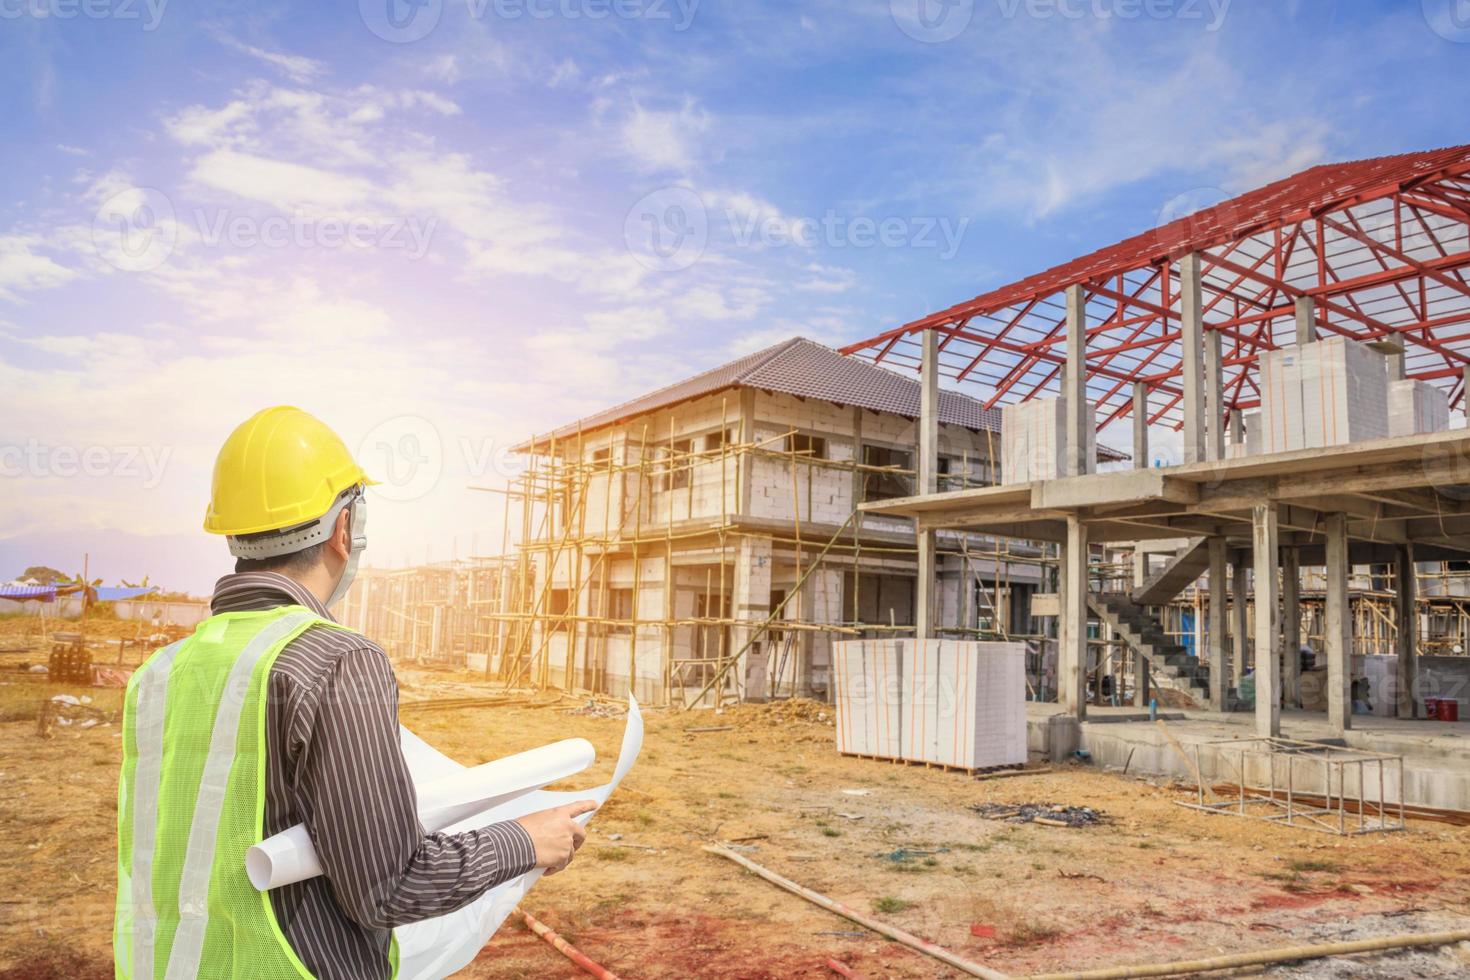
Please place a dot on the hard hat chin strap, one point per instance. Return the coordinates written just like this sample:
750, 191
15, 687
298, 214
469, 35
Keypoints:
357, 533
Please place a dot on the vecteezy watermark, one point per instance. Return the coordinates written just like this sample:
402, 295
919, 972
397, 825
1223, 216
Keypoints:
1211, 12
669, 230
137, 229
150, 12
407, 456
1450, 19
933, 21
300, 230
405, 21
42, 460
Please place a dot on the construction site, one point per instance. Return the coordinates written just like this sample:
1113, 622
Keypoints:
1112, 623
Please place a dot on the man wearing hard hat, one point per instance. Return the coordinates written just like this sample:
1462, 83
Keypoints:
271, 715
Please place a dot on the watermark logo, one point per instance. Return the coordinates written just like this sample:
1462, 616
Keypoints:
1211, 13
149, 12
401, 21
138, 229
39, 460
932, 21
1450, 19
405, 455
670, 229
667, 230
135, 229
405, 21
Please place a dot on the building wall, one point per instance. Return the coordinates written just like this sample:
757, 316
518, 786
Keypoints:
761, 486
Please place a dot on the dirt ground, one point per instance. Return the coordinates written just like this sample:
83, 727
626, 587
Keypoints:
1152, 882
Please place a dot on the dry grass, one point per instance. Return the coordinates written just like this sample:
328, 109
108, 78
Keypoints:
1155, 882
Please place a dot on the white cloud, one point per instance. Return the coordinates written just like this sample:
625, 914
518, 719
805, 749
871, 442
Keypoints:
23, 269
280, 183
664, 141
295, 67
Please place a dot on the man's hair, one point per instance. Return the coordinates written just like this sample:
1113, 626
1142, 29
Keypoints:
299, 562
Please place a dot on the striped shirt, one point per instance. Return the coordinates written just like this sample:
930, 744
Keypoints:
333, 761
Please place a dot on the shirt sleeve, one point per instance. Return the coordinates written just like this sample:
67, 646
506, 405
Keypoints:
354, 791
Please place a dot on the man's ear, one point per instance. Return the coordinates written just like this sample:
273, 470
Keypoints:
341, 540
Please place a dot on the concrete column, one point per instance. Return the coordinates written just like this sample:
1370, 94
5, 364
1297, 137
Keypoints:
1191, 367
1239, 644
750, 599
1407, 679
1140, 425
1396, 366
1337, 627
929, 414
1214, 391
1141, 678
1465, 390
1072, 651
928, 451
1237, 427
1306, 320
1218, 632
1265, 537
1291, 625
1074, 383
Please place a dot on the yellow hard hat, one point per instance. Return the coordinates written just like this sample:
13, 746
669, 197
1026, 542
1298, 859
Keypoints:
280, 468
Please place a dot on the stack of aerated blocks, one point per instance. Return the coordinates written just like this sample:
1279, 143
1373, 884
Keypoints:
1033, 440
958, 703
1415, 407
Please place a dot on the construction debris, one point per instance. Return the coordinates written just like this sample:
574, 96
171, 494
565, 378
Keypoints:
67, 711
1049, 814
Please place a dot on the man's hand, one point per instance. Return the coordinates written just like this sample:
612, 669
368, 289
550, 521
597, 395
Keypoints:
556, 835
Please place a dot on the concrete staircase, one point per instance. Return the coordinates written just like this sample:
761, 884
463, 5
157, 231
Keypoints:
1187, 565
1170, 662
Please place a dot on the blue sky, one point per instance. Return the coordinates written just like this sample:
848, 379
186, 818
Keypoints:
540, 207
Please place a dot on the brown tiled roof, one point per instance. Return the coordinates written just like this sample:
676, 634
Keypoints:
806, 369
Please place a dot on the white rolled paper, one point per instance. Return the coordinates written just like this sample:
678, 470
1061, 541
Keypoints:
446, 796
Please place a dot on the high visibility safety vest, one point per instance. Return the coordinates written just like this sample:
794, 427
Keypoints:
191, 801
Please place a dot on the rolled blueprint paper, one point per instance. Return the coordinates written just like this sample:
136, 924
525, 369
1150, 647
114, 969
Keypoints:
435, 948
448, 793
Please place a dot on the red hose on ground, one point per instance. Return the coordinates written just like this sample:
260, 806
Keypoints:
567, 949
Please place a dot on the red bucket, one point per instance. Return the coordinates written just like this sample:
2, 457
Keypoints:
1431, 709
1449, 709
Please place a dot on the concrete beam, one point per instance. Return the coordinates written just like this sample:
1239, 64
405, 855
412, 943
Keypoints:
1191, 323
1337, 626
1111, 488
1140, 425
1291, 625
1074, 383
1218, 629
1306, 320
1214, 392
1072, 654
1264, 536
1407, 673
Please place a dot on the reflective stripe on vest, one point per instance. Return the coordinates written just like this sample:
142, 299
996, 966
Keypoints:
152, 694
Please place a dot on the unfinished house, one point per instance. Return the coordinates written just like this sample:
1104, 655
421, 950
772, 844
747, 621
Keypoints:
1312, 367
703, 541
